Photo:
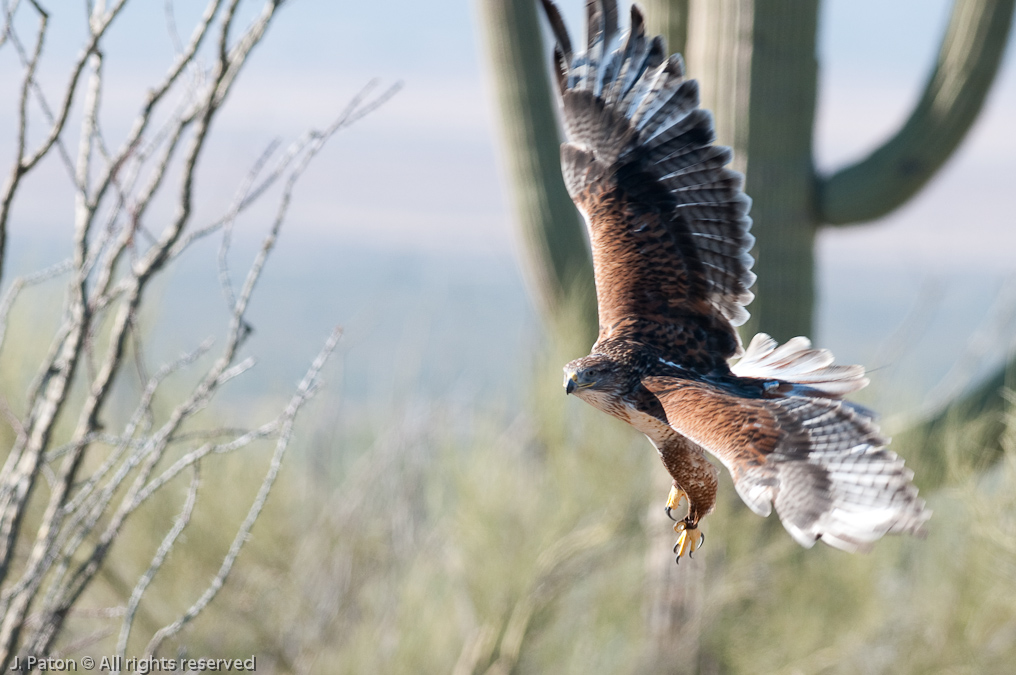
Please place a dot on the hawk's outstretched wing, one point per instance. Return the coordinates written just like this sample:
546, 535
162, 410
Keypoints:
667, 221
820, 461
669, 228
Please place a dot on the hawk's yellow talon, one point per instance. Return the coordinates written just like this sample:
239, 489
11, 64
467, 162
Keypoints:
674, 500
688, 541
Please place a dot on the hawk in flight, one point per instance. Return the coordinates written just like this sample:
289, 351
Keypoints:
669, 227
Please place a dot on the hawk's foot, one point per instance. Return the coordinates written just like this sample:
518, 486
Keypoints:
674, 500
689, 540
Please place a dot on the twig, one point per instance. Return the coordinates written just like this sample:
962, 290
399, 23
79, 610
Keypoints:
182, 520
115, 257
227, 222
12, 293
303, 393
174, 34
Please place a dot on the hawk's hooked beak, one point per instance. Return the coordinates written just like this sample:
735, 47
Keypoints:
571, 382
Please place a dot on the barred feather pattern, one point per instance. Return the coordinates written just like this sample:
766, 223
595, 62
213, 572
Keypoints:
669, 230
821, 462
832, 478
635, 132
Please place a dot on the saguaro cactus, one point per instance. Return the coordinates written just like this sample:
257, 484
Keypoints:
755, 60
559, 267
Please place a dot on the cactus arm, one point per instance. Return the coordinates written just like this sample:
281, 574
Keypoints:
968, 60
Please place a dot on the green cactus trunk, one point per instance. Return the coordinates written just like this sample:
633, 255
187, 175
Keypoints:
757, 70
558, 264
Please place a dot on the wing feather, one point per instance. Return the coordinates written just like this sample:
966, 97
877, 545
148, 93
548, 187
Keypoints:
796, 363
661, 208
821, 462
669, 229
669, 96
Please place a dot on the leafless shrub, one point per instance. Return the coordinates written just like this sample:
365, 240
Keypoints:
64, 500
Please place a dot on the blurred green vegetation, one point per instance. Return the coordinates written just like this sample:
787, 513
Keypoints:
472, 541
480, 540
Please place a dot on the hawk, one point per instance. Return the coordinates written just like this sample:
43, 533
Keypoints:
669, 231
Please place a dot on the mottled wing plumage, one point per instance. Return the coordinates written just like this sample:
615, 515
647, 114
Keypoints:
821, 462
667, 221
650, 292
669, 231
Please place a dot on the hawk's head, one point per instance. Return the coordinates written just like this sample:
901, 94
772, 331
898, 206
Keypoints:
593, 376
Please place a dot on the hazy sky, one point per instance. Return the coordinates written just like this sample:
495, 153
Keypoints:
424, 172
434, 147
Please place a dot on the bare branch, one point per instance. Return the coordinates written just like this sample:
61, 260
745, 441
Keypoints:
12, 293
114, 258
99, 27
82, 508
192, 458
357, 109
111, 363
89, 129
141, 412
174, 34
227, 222
18, 170
165, 547
5, 29
40, 97
18, 475
303, 393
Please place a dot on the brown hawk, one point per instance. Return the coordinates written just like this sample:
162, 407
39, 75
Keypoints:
669, 227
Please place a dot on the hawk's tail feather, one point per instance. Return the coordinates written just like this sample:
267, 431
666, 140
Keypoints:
832, 478
796, 363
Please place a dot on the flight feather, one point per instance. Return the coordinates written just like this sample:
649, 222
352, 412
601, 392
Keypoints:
669, 230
